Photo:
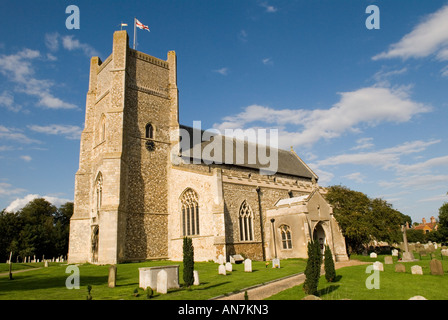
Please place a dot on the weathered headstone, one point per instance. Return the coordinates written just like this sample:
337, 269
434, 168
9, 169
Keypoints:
275, 263
394, 253
46, 264
378, 266
222, 269
436, 267
238, 258
162, 282
399, 267
248, 265
196, 281
221, 259
112, 276
444, 252
388, 260
416, 270
228, 266
373, 255
232, 260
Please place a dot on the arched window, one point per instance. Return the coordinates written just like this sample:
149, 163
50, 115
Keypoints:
246, 218
98, 192
286, 237
189, 213
149, 131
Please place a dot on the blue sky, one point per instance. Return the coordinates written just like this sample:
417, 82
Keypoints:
364, 108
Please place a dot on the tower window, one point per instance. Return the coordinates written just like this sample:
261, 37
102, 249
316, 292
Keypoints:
149, 131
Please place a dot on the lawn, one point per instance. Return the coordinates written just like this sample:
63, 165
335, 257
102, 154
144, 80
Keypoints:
351, 283
49, 283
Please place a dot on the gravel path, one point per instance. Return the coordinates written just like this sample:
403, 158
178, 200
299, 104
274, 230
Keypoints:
264, 291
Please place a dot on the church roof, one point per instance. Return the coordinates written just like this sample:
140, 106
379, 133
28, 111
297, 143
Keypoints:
288, 162
289, 201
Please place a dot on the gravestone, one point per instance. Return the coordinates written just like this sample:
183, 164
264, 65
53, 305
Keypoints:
373, 255
399, 267
248, 265
423, 253
416, 270
417, 298
275, 263
378, 266
46, 264
222, 269
232, 260
112, 276
196, 278
444, 252
221, 259
148, 276
388, 260
162, 282
238, 258
436, 267
228, 266
395, 253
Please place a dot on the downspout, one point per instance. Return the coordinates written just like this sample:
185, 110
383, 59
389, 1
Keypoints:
261, 222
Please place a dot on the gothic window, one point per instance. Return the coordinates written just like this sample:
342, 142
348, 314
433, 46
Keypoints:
189, 213
246, 218
286, 237
149, 131
98, 192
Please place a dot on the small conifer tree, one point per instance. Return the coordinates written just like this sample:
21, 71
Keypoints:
188, 261
313, 265
330, 272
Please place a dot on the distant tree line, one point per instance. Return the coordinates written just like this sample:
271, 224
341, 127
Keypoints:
38, 229
363, 219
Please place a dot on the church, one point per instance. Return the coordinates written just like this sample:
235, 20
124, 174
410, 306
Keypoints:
141, 186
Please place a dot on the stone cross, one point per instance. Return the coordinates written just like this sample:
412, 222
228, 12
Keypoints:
405, 239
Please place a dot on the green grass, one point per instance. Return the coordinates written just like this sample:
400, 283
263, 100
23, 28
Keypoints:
351, 283
49, 283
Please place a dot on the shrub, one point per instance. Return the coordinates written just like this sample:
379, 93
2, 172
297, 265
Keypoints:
188, 261
149, 293
330, 272
312, 271
89, 288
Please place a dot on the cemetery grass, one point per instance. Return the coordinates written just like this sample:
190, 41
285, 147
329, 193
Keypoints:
351, 283
49, 283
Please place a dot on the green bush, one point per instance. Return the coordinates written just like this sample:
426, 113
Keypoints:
188, 262
312, 271
330, 271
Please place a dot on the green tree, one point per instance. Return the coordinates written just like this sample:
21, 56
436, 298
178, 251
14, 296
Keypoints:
330, 271
313, 266
443, 222
188, 261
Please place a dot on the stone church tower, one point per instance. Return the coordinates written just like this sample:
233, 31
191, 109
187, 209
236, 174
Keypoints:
120, 187
133, 202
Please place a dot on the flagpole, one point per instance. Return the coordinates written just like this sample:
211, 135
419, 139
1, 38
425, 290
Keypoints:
134, 32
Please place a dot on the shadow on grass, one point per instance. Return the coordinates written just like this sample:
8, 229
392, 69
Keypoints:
327, 290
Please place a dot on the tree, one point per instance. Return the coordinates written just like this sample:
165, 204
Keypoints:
188, 261
313, 265
330, 271
443, 221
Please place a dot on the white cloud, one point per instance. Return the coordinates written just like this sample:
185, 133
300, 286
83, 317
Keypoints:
366, 106
223, 71
428, 37
19, 203
7, 101
26, 158
18, 68
269, 8
363, 143
69, 131
6, 189
15, 135
53, 40
242, 35
356, 176
267, 61
437, 198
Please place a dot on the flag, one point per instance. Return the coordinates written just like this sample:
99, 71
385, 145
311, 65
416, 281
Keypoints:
124, 24
140, 25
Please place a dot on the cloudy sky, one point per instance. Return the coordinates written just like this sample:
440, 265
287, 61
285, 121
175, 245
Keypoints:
365, 108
